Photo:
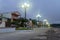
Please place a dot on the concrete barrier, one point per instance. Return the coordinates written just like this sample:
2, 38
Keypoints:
3, 30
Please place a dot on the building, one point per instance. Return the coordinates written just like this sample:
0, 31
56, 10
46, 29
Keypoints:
2, 20
8, 16
15, 15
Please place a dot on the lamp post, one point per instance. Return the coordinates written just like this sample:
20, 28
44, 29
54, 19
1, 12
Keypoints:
25, 6
46, 23
38, 16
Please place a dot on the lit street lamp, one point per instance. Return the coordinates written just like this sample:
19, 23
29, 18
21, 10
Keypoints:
38, 16
25, 6
45, 21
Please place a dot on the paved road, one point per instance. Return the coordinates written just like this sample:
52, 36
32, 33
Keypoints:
21, 35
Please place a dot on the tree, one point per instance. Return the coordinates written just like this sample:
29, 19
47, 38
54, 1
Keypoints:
34, 21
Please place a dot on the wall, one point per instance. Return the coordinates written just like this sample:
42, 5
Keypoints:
2, 24
5, 30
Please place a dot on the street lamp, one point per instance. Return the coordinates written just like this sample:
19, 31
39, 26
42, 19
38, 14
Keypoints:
38, 16
25, 6
45, 21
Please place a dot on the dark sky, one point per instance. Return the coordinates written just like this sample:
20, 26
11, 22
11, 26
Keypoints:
48, 9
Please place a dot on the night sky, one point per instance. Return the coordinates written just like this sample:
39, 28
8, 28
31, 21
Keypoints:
48, 9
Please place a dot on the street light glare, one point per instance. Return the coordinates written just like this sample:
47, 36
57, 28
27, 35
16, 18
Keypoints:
38, 15
45, 20
47, 23
22, 6
28, 5
25, 5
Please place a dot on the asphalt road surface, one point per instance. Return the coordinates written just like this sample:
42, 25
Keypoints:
22, 35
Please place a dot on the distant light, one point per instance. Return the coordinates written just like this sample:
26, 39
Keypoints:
47, 23
38, 15
45, 20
